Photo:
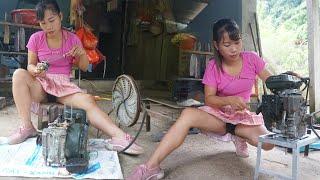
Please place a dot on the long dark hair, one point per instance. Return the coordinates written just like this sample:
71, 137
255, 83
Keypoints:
219, 28
44, 5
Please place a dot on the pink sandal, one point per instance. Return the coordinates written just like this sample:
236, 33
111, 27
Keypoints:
22, 134
119, 144
241, 146
142, 172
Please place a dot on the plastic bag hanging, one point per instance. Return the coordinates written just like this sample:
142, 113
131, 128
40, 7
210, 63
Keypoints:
88, 39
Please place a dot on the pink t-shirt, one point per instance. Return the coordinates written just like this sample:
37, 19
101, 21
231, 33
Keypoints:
58, 64
241, 85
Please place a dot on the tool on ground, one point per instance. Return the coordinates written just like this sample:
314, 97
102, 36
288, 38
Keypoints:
99, 98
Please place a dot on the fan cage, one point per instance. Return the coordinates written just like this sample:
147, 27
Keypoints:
126, 89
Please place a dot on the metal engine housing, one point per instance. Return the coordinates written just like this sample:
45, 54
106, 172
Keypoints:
53, 146
285, 111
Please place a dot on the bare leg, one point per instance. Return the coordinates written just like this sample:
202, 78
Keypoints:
252, 133
190, 117
97, 117
25, 89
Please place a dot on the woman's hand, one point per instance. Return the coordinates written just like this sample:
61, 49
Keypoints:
36, 71
76, 51
237, 103
80, 57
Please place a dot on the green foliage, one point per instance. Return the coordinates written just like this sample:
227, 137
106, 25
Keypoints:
283, 31
318, 120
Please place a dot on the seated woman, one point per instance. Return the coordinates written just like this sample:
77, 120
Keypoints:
37, 85
228, 79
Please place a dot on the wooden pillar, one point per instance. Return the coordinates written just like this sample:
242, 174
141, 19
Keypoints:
313, 53
73, 14
75, 17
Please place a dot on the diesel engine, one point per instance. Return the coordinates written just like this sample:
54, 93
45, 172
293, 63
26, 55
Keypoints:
64, 142
285, 110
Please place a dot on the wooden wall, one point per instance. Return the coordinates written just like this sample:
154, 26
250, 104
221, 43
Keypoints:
152, 57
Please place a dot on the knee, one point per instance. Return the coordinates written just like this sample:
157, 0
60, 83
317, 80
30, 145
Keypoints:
88, 101
20, 75
267, 146
187, 112
188, 116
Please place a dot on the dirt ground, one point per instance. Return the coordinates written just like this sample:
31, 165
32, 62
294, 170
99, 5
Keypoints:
199, 158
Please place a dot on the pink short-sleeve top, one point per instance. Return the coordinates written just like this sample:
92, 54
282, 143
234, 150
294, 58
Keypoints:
241, 85
58, 64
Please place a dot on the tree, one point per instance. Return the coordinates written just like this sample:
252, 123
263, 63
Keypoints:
284, 34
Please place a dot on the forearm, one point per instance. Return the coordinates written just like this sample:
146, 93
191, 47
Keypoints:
83, 62
217, 101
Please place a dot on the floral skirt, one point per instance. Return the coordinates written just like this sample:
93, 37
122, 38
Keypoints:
58, 85
228, 115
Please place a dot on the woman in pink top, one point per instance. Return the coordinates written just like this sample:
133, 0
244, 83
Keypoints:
62, 50
228, 80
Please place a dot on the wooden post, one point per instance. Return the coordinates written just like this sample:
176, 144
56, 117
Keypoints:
148, 125
6, 35
313, 53
2, 102
73, 14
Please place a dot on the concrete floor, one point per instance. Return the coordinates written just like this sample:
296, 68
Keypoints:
199, 158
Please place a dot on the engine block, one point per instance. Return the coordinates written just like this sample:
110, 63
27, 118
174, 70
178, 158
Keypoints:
64, 142
285, 111
53, 146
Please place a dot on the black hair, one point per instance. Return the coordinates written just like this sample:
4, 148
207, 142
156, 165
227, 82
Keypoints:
44, 5
219, 28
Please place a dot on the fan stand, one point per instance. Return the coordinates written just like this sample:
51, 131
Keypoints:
136, 136
126, 104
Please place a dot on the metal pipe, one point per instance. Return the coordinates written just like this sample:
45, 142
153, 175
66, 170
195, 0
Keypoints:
13, 53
